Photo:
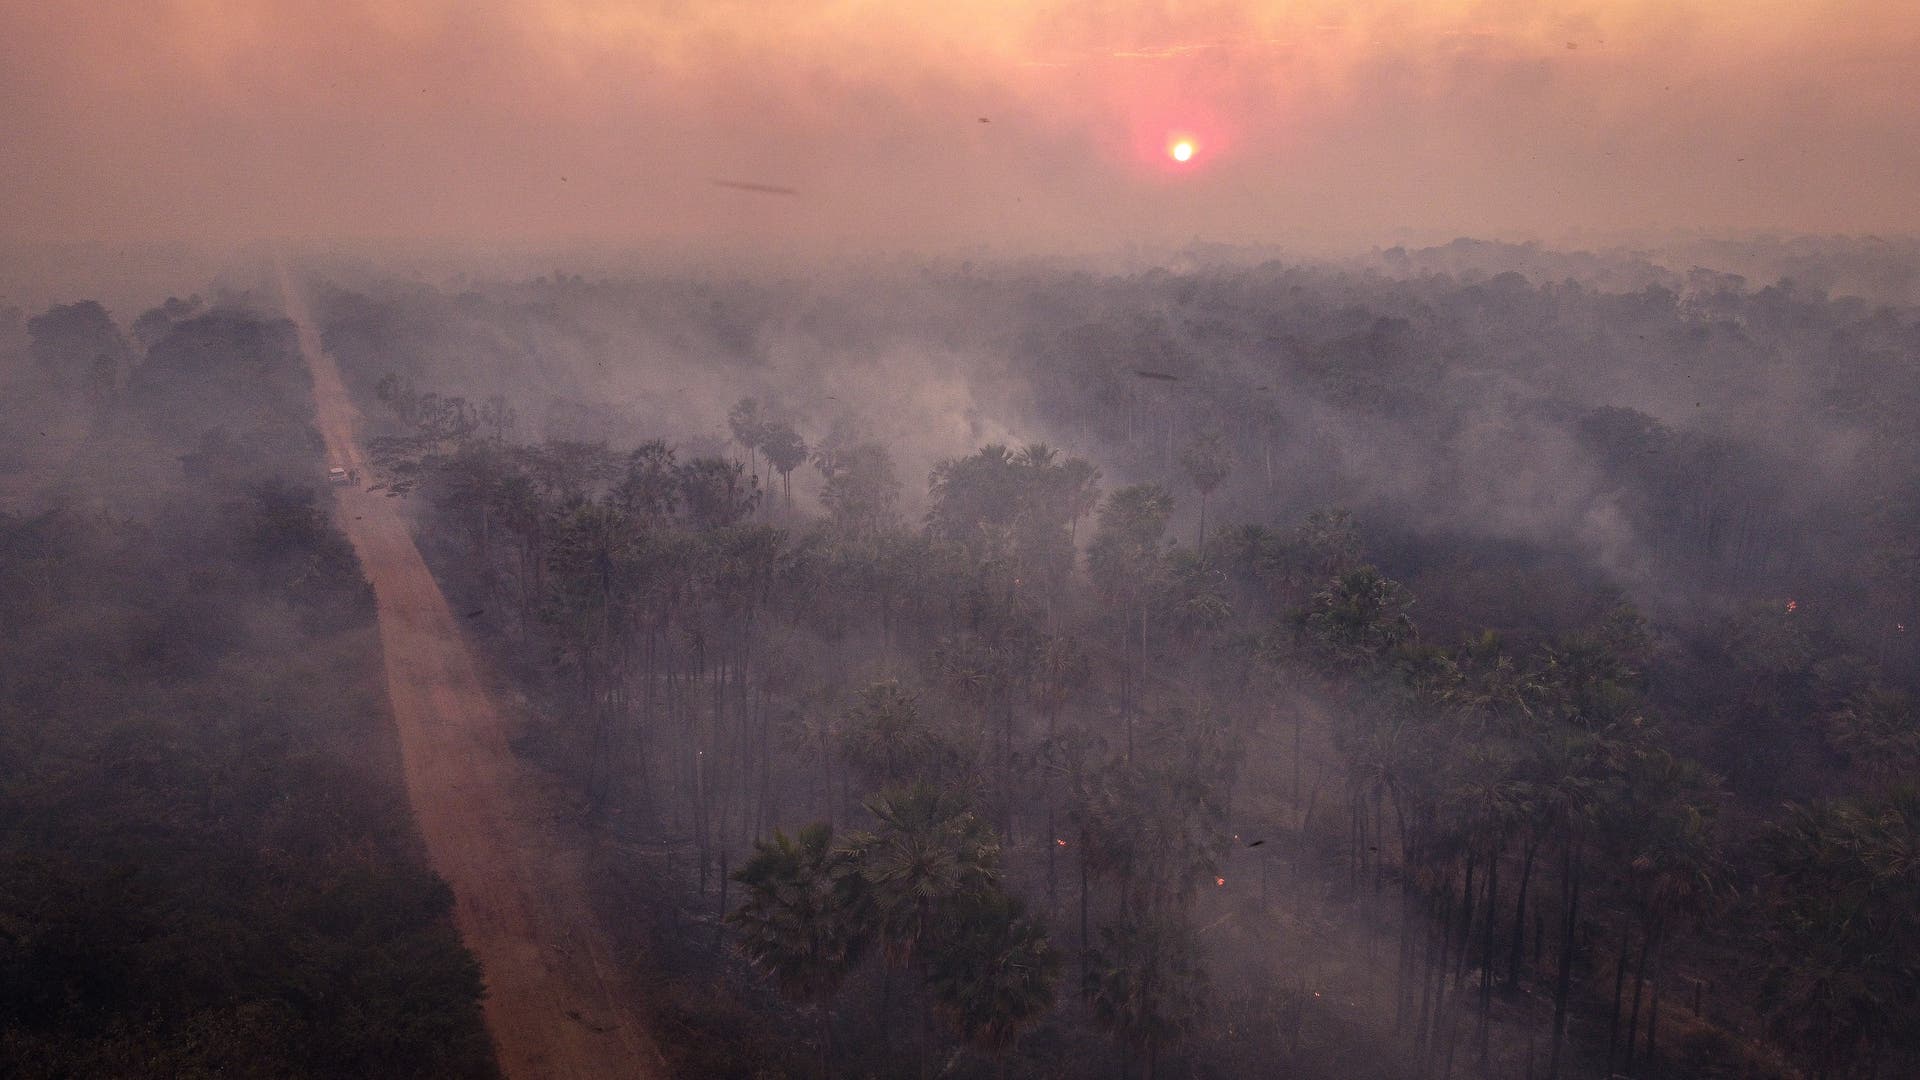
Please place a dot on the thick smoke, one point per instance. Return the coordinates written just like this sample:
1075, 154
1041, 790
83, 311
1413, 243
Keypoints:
1011, 127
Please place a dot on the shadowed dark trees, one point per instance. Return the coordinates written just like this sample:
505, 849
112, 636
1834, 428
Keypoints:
206, 860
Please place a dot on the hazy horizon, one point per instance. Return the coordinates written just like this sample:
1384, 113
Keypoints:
1346, 539
1001, 127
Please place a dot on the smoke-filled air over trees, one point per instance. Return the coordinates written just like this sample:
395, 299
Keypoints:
1251, 667
1257, 666
1338, 541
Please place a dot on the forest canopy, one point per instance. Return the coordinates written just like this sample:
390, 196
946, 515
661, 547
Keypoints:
1535, 639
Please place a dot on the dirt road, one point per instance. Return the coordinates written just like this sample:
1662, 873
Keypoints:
556, 1004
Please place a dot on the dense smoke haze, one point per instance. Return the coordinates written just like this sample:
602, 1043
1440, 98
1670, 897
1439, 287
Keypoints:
578, 539
1008, 127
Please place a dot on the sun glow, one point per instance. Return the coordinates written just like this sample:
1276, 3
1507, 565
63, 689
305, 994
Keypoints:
1181, 150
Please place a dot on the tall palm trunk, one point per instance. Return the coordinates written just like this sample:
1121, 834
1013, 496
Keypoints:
1466, 923
1639, 984
1619, 994
1486, 958
1520, 916
1143, 640
1006, 771
826, 1040
1433, 984
1298, 721
1650, 1067
1084, 941
1563, 984
1403, 992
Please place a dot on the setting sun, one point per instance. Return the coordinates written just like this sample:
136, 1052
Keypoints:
1182, 150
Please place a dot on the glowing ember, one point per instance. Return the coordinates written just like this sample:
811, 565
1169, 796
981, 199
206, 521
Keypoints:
1792, 604
1219, 881
1062, 843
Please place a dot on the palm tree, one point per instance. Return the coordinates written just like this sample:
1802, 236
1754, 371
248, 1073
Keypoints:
1146, 985
993, 970
929, 854
975, 499
715, 494
1327, 544
1099, 807
802, 919
1011, 510
1358, 620
785, 451
886, 741
649, 487
1207, 461
984, 670
1155, 824
1197, 600
1488, 808
1571, 765
1843, 886
1063, 671
929, 850
749, 425
1661, 819
1053, 495
1077, 483
812, 732
1876, 730
1126, 558
861, 488
593, 571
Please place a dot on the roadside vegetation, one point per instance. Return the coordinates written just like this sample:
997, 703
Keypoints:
206, 863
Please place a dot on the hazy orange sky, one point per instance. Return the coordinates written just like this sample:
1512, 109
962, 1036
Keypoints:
600, 120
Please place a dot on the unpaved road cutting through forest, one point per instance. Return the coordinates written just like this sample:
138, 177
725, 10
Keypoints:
557, 1005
